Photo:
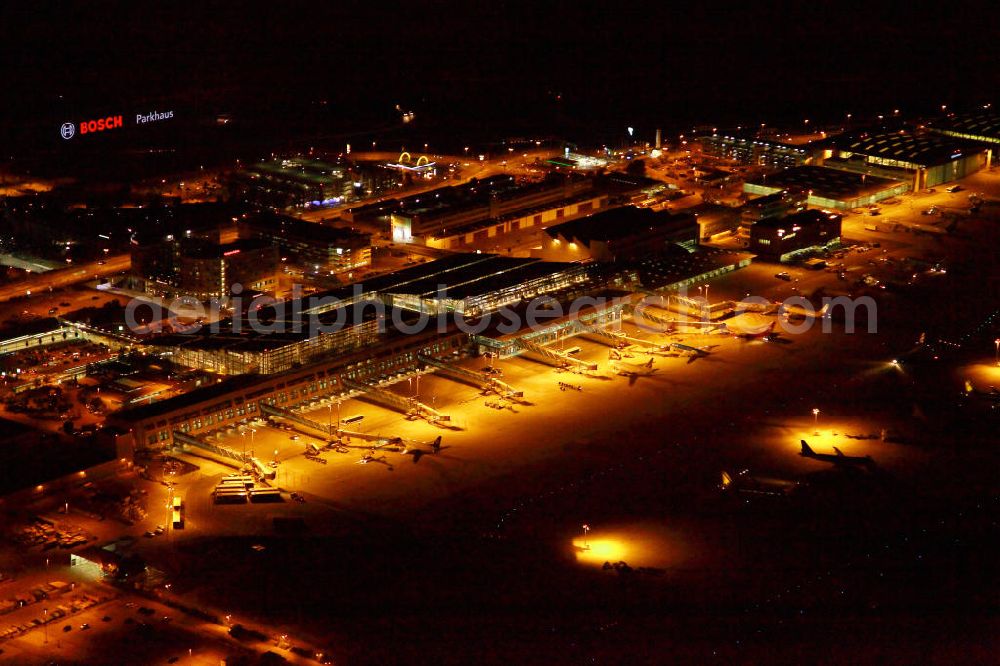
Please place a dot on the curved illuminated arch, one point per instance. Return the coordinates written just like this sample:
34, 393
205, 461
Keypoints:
404, 157
422, 160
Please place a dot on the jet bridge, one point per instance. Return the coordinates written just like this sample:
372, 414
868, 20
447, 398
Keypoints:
331, 429
666, 324
603, 335
408, 406
272, 410
553, 356
221, 451
472, 378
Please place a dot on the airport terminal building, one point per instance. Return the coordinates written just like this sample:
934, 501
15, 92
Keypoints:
310, 329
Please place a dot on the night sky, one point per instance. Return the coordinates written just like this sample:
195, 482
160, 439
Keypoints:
575, 71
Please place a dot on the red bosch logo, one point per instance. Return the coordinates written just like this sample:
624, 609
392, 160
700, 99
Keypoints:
68, 130
101, 124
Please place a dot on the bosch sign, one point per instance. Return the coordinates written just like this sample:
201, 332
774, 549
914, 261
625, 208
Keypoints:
69, 130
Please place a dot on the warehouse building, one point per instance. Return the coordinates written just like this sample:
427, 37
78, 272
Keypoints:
453, 209
617, 235
982, 127
520, 220
923, 160
714, 220
828, 188
781, 239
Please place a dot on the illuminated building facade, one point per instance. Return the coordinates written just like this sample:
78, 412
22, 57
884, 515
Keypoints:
753, 150
206, 270
618, 234
238, 399
297, 181
828, 188
783, 238
523, 219
242, 351
924, 159
451, 210
311, 245
982, 127
777, 204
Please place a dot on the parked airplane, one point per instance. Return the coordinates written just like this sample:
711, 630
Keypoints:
746, 483
799, 311
837, 458
688, 350
762, 332
633, 370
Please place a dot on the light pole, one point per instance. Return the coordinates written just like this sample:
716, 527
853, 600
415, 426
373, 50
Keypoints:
997, 354
706, 315
816, 420
45, 614
586, 530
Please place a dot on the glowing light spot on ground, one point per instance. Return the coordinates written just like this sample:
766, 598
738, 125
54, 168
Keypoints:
644, 544
599, 551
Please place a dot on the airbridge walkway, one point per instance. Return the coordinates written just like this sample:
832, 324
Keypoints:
472, 378
221, 451
408, 406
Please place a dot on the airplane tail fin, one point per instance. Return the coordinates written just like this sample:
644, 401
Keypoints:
437, 443
806, 449
726, 480
649, 364
839, 452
